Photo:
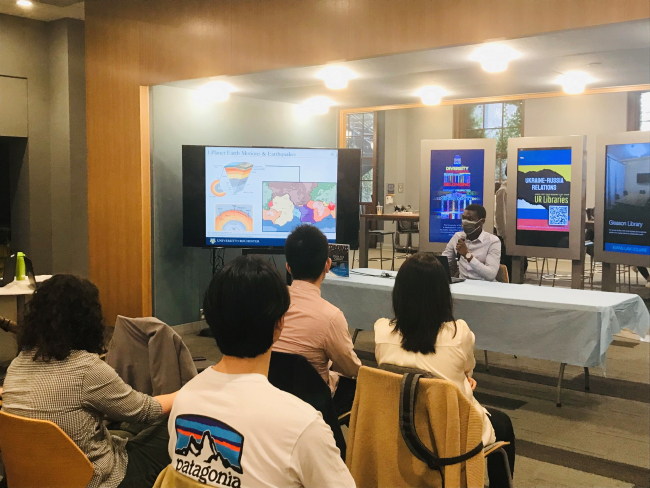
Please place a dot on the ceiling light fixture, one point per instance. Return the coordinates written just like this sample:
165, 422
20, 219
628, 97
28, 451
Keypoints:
24, 3
494, 57
573, 82
216, 91
431, 95
317, 105
336, 77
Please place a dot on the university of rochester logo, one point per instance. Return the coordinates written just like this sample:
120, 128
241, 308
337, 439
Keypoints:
200, 441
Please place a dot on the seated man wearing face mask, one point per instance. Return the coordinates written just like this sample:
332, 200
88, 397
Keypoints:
475, 253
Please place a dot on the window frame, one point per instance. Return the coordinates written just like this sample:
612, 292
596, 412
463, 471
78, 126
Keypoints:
641, 120
373, 159
461, 131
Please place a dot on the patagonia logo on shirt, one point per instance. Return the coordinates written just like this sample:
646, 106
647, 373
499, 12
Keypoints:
201, 442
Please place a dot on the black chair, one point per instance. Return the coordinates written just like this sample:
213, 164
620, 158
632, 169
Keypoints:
294, 374
381, 257
408, 228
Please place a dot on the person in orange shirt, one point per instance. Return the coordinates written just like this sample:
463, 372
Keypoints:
313, 327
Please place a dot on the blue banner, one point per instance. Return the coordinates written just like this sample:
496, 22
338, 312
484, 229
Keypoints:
627, 248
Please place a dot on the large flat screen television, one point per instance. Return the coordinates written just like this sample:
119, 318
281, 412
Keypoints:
255, 196
543, 196
627, 199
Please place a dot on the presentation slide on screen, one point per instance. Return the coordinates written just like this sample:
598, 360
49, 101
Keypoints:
257, 196
543, 194
627, 199
456, 182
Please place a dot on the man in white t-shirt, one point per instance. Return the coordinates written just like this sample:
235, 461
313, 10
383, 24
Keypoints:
229, 427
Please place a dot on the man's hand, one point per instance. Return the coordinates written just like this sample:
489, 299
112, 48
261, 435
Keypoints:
461, 247
472, 383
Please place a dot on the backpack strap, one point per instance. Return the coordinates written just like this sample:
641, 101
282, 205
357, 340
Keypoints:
408, 397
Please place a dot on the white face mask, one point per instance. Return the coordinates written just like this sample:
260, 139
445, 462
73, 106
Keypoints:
469, 226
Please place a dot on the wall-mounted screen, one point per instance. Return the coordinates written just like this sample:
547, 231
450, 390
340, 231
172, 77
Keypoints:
543, 194
254, 197
456, 181
261, 195
626, 227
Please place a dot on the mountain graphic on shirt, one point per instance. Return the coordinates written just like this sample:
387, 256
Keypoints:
207, 439
204, 450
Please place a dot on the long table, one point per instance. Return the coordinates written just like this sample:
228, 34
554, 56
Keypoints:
558, 324
12, 305
12, 297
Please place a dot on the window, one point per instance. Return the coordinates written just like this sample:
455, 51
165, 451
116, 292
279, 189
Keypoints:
499, 121
360, 134
644, 112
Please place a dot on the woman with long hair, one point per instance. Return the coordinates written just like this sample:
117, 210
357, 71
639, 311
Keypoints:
59, 376
425, 335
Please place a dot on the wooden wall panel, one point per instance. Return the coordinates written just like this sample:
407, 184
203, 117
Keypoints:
114, 172
202, 27
145, 197
281, 33
388, 26
130, 43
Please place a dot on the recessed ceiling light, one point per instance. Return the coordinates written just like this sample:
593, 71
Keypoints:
494, 57
217, 91
24, 3
573, 82
317, 105
431, 95
336, 77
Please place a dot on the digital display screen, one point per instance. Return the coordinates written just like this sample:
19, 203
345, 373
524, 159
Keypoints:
543, 197
627, 199
456, 182
257, 196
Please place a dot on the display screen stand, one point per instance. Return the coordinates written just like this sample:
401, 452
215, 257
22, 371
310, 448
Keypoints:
546, 205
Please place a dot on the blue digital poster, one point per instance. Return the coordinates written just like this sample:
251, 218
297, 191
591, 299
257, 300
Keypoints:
543, 196
456, 182
627, 199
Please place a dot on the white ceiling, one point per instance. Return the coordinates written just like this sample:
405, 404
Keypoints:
46, 10
629, 152
614, 55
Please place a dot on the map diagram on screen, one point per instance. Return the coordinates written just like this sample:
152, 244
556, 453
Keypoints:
286, 205
233, 218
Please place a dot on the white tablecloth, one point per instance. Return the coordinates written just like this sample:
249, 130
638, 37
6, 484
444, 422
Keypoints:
559, 324
22, 287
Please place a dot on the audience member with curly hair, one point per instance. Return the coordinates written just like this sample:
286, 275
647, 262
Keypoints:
59, 376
